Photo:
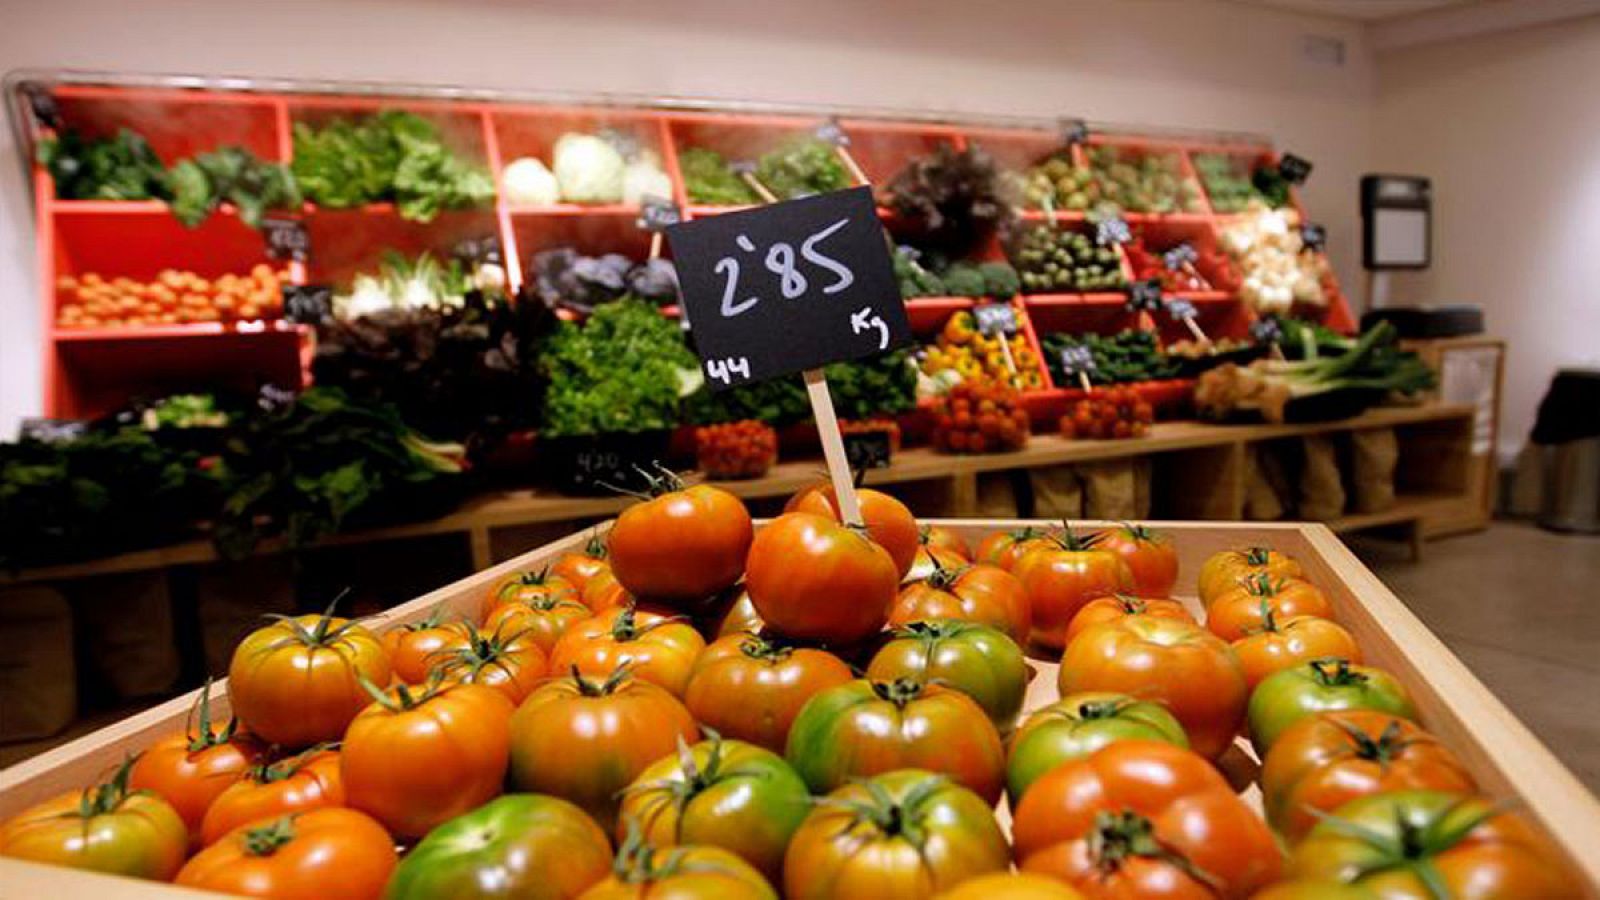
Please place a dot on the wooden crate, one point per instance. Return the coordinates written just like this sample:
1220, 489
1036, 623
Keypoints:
1508, 762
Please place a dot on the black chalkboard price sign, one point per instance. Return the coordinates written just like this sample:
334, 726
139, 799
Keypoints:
1144, 295
1294, 169
868, 450
307, 304
655, 214
788, 287
286, 238
1313, 236
995, 318
1112, 229
1074, 131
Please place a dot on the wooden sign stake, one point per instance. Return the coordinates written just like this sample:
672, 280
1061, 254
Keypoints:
1005, 350
655, 245
761, 190
1084, 382
833, 447
850, 163
1194, 329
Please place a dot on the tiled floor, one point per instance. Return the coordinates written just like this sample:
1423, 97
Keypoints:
1521, 607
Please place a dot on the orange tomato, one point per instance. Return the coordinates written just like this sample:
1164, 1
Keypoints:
309, 780
888, 521
528, 586
325, 854
192, 768
693, 872
1284, 644
1063, 575
1010, 886
682, 545
414, 647
1150, 556
1006, 548
1116, 606
929, 560
1243, 609
655, 648
580, 566
604, 592
750, 688
942, 538
1222, 571
543, 621
506, 659
811, 578
105, 828
981, 593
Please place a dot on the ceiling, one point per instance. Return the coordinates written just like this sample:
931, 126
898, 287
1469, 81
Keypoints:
1360, 10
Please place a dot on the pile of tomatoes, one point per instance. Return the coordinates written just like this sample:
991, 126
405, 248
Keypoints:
172, 298
688, 706
980, 417
735, 450
1108, 413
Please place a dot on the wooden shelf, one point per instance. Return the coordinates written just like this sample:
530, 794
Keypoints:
189, 330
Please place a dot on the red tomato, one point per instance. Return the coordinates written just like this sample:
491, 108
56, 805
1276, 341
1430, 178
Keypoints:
888, 520
306, 781
105, 828
942, 538
748, 687
192, 768
655, 648
1243, 609
981, 593
543, 621
1116, 606
1222, 571
1006, 548
1284, 644
325, 854
695, 872
811, 578
1144, 819
528, 587
1010, 886
580, 566
507, 659
1185, 668
1150, 556
1061, 577
413, 646
682, 544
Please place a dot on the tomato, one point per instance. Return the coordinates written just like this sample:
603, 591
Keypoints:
325, 854
903, 834
1243, 608
412, 645
1150, 555
1427, 844
929, 560
190, 769
655, 648
298, 681
888, 521
527, 586
303, 782
1330, 758
976, 660
517, 845
106, 828
604, 592
584, 740
1078, 725
1181, 666
1142, 819
811, 578
942, 538
580, 566
682, 544
507, 659
682, 873
720, 793
1062, 576
1311, 889
1222, 571
1010, 886
1321, 685
1286, 643
543, 621
1006, 548
981, 593
748, 687
739, 618
1114, 607
870, 727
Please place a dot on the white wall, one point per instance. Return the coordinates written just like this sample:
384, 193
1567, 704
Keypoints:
1195, 63
1508, 128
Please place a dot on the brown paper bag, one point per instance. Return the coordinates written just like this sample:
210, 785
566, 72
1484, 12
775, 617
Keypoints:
1111, 490
233, 598
1263, 496
39, 676
1373, 457
1322, 494
1057, 493
127, 627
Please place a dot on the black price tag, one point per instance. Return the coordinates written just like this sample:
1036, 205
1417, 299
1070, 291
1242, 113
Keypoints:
1180, 256
1112, 229
1078, 359
1313, 236
479, 251
1074, 131
788, 287
655, 214
1180, 309
1267, 331
53, 431
995, 318
867, 450
830, 131
43, 105
286, 238
307, 304
1144, 295
1294, 169
624, 142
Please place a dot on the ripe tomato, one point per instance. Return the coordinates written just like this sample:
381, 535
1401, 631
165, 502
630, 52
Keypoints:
1313, 889
1063, 576
871, 727
976, 660
303, 782
1286, 643
105, 828
748, 687
1150, 555
1143, 819
929, 560
1010, 886
726, 794
580, 566
412, 646
190, 769
981, 593
505, 659
528, 586
298, 681
325, 854
655, 648
1329, 759
1321, 685
1077, 725
584, 740
517, 845
739, 618
888, 521
413, 761
897, 836
1427, 844
811, 578
1223, 570
543, 621
682, 544
1181, 666
1116, 606
942, 538
1243, 608
1006, 548
604, 592
682, 873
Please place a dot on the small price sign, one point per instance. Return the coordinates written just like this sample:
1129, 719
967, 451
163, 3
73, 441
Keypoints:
995, 318
1076, 359
1180, 256
53, 431
1180, 309
868, 450
1294, 169
1112, 229
479, 251
1144, 295
1267, 331
1074, 131
43, 104
1313, 236
655, 214
307, 304
286, 238
788, 287
831, 132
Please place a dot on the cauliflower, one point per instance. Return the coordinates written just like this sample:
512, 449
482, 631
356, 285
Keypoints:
643, 178
588, 169
527, 182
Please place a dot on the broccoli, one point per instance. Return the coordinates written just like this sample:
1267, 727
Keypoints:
963, 280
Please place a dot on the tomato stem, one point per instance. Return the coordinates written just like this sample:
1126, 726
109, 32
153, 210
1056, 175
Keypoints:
267, 839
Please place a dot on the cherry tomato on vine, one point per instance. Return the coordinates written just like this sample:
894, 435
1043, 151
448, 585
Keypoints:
1150, 555
1063, 576
1077, 725
811, 578
325, 854
1321, 685
681, 544
750, 687
977, 660
105, 828
306, 781
192, 768
888, 521
655, 648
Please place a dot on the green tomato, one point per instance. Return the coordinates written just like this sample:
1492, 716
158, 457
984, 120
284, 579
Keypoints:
529, 846
976, 660
1078, 725
1320, 685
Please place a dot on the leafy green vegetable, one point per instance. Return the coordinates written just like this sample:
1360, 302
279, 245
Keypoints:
777, 402
116, 168
877, 386
234, 175
392, 156
623, 370
707, 179
1127, 356
802, 166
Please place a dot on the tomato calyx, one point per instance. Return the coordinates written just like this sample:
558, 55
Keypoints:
1261, 585
764, 649
1256, 556
434, 620
1412, 846
1117, 836
595, 547
106, 797
265, 840
1091, 710
1129, 604
697, 779
1143, 534
1383, 750
637, 862
941, 578
1335, 671
900, 691
1071, 541
323, 634
401, 699
530, 578
626, 626
590, 687
272, 772
206, 737
481, 652
903, 818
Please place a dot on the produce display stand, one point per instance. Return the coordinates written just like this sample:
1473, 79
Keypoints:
1507, 761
